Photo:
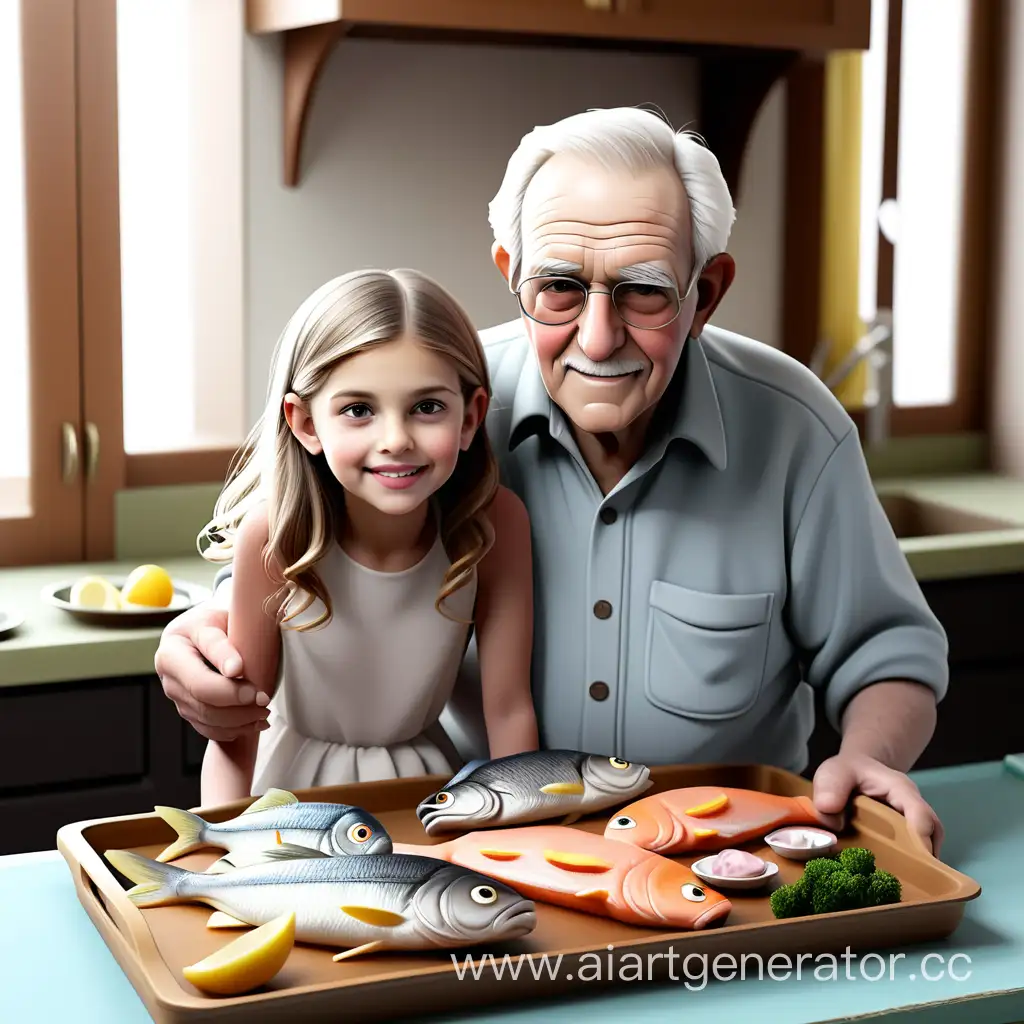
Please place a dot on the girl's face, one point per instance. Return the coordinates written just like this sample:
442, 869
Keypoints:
391, 422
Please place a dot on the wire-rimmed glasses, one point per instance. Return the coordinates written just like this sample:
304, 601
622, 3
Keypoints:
554, 300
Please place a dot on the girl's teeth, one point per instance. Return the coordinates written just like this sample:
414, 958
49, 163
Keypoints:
383, 472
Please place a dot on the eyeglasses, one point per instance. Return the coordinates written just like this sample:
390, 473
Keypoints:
555, 301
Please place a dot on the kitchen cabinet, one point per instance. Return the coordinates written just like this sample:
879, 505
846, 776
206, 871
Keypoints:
981, 718
743, 46
90, 749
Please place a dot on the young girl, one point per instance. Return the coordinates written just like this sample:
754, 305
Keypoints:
369, 533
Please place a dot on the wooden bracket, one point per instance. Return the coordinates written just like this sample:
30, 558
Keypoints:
732, 91
305, 52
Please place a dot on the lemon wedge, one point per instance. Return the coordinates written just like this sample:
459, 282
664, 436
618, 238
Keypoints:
95, 592
247, 962
148, 585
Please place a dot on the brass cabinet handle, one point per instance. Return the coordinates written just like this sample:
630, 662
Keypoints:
92, 450
69, 452
598, 5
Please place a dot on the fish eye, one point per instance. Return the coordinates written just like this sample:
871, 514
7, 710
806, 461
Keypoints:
443, 798
483, 894
694, 893
359, 832
622, 822
617, 762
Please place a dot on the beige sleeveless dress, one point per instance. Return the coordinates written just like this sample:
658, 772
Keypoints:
359, 699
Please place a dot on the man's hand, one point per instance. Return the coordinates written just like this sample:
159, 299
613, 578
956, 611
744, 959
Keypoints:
210, 694
840, 777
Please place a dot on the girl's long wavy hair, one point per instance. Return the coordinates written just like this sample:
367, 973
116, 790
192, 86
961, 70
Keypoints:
305, 503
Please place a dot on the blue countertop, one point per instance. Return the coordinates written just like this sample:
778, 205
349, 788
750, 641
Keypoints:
975, 975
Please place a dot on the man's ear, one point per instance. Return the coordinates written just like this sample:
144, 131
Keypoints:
711, 288
501, 259
300, 422
476, 410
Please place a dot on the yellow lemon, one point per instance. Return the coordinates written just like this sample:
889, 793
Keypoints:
95, 592
247, 962
149, 585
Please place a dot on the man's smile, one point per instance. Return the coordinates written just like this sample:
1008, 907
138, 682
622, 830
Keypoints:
607, 370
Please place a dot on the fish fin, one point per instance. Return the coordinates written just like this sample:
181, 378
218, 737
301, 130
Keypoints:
719, 803
290, 851
465, 771
570, 818
218, 919
366, 947
501, 854
154, 882
570, 788
593, 894
703, 833
189, 827
272, 798
581, 862
220, 867
374, 916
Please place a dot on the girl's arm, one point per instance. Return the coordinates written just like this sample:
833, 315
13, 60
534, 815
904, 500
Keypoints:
255, 634
504, 629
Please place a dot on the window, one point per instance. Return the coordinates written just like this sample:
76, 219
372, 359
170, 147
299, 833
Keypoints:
122, 263
922, 99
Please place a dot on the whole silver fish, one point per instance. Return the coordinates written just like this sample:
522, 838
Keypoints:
367, 904
278, 817
530, 787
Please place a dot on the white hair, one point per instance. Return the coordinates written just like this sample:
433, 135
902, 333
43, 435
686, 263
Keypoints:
629, 137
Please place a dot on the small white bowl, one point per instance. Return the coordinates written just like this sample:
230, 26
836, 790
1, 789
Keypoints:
823, 843
701, 869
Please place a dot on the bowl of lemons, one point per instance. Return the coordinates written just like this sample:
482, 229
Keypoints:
147, 595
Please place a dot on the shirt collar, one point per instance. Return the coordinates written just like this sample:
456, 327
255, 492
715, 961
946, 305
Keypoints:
697, 416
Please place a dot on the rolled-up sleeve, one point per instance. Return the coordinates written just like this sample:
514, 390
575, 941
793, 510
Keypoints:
855, 609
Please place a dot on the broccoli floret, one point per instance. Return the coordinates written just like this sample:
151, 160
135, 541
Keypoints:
839, 890
791, 900
883, 887
816, 868
857, 860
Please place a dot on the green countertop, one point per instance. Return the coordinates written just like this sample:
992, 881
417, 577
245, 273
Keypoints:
975, 976
52, 646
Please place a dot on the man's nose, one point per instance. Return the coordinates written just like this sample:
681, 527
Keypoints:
602, 331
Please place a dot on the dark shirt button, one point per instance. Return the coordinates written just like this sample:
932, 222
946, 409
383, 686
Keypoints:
603, 610
608, 515
599, 691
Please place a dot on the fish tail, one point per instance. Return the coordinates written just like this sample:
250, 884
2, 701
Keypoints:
189, 827
806, 806
155, 883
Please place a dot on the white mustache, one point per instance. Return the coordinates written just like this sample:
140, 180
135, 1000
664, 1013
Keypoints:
606, 368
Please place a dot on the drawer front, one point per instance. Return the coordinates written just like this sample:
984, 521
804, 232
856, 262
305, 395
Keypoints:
52, 735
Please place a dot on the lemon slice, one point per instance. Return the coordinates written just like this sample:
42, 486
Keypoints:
95, 592
148, 585
247, 962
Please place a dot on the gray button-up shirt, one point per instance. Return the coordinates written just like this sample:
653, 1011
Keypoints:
686, 615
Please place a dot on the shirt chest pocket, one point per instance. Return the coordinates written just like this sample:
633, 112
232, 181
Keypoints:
706, 653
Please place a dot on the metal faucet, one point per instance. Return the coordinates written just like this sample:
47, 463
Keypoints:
875, 350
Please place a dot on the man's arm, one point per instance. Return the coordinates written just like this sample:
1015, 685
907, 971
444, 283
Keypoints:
870, 641
857, 611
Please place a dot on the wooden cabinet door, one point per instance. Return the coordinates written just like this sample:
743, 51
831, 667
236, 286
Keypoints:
41, 450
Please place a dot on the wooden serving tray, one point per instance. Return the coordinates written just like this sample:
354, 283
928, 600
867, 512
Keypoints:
153, 945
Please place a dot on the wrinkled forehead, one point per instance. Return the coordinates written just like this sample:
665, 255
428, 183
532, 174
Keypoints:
605, 221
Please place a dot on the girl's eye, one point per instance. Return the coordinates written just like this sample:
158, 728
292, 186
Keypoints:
431, 407
357, 411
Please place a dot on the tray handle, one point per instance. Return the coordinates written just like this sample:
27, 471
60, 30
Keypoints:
87, 870
885, 822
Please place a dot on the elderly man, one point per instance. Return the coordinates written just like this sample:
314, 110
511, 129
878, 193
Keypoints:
708, 545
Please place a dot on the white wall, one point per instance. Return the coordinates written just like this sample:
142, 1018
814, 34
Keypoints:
405, 145
1008, 377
